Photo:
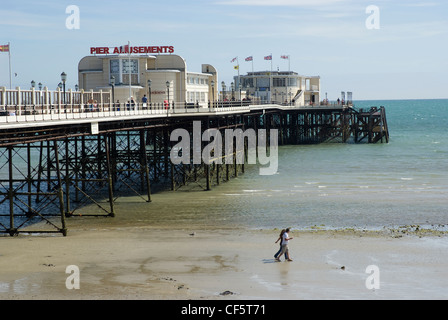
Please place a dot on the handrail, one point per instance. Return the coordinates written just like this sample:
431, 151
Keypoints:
17, 106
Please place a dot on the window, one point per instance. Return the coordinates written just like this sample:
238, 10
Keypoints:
114, 66
248, 82
263, 82
120, 68
279, 82
115, 70
130, 66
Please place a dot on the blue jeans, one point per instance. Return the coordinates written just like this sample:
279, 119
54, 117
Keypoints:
278, 252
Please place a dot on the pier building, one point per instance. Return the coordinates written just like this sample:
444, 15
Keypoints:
285, 87
161, 79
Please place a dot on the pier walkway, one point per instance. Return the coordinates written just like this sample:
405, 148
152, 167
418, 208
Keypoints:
20, 108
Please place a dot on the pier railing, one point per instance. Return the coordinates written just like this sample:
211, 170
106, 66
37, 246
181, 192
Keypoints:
19, 105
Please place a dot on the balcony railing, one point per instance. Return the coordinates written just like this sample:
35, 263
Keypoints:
17, 106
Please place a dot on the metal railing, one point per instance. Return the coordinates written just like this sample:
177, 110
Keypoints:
18, 106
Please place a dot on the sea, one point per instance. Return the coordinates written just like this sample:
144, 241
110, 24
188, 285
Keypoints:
329, 185
340, 185
402, 183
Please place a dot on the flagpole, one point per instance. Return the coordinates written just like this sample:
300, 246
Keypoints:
270, 81
238, 63
129, 66
10, 74
289, 66
289, 74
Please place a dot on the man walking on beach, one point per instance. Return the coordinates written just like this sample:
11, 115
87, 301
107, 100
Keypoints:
285, 249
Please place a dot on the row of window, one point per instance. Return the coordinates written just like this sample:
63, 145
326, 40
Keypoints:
197, 80
120, 69
264, 82
196, 96
124, 66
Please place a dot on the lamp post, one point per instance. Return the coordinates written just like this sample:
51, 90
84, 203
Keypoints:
63, 78
76, 87
33, 84
213, 92
59, 97
232, 85
40, 95
149, 90
240, 87
112, 83
223, 84
168, 97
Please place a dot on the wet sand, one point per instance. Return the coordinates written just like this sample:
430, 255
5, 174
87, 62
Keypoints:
141, 262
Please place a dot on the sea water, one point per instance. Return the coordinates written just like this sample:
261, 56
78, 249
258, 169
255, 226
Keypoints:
335, 185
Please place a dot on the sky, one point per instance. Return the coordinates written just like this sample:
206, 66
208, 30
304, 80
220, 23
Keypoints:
397, 50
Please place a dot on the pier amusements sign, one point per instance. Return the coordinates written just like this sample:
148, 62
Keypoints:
129, 49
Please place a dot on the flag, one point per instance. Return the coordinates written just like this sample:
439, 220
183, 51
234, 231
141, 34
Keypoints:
233, 59
284, 57
249, 58
4, 48
236, 67
268, 57
124, 49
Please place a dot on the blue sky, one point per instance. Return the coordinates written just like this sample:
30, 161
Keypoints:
404, 58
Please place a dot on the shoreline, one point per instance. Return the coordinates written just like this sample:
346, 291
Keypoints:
165, 263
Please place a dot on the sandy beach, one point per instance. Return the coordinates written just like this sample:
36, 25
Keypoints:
125, 261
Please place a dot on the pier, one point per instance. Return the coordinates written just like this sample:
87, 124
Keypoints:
62, 151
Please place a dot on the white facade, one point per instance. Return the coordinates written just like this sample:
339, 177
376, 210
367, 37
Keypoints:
285, 87
169, 79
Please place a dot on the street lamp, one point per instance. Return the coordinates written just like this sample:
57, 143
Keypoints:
33, 84
149, 90
240, 87
213, 92
168, 100
40, 94
112, 83
232, 85
76, 87
223, 85
63, 78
